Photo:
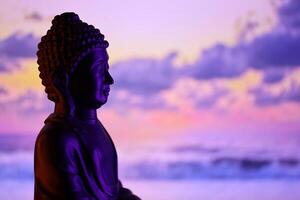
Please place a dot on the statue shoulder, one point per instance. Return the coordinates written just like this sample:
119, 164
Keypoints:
56, 149
57, 134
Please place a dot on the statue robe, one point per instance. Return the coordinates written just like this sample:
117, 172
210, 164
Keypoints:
74, 159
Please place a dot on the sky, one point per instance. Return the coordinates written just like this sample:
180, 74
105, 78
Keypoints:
182, 69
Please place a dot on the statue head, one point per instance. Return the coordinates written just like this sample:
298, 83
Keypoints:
73, 64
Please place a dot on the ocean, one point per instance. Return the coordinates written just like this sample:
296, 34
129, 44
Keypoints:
171, 172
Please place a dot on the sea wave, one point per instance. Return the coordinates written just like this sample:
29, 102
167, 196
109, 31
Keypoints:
217, 168
16, 165
19, 166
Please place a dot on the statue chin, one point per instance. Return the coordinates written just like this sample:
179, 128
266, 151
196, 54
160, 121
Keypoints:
98, 104
99, 101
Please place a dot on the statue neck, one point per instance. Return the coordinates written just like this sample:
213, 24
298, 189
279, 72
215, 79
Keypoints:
83, 114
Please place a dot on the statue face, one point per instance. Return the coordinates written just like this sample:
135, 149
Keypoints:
90, 82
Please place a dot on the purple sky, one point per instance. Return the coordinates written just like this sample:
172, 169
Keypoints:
180, 68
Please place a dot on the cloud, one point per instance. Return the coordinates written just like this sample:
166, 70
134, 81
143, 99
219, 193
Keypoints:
280, 47
16, 47
19, 46
247, 30
272, 76
35, 16
145, 76
122, 100
219, 61
274, 50
8, 64
27, 103
3, 67
265, 97
289, 14
210, 100
198, 94
140, 82
149, 77
3, 91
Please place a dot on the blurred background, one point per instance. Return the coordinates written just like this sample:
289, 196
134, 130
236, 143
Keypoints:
206, 100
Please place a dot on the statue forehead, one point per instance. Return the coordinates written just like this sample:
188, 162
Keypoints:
91, 60
98, 54
94, 56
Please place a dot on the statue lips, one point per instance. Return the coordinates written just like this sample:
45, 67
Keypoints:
106, 91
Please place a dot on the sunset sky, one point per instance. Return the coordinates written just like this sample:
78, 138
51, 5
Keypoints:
181, 68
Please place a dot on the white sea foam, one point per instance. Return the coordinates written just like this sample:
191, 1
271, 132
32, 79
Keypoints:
18, 165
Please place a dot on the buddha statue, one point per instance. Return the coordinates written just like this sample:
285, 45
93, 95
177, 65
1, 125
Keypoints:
75, 157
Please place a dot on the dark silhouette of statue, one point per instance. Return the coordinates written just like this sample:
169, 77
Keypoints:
74, 157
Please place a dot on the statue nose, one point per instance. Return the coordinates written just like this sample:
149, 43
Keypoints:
109, 79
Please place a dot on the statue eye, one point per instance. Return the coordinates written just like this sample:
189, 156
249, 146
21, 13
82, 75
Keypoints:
98, 68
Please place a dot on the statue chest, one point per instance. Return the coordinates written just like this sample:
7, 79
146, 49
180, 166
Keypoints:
100, 147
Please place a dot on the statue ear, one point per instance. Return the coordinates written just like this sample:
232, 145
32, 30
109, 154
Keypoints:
61, 81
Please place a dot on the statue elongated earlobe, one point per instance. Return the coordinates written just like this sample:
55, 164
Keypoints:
61, 81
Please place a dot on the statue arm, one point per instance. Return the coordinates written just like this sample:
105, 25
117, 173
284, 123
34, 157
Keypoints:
68, 164
56, 167
126, 194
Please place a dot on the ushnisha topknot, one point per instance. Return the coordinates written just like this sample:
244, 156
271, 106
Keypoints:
67, 41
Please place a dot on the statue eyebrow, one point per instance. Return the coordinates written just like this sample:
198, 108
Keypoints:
100, 61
